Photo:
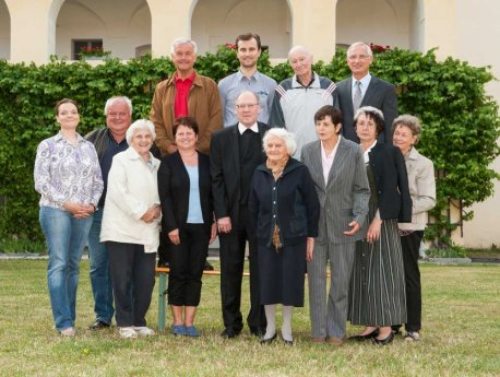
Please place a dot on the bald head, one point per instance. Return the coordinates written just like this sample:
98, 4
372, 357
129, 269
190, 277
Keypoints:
247, 108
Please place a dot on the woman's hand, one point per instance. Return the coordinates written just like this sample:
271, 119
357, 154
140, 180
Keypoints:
213, 233
151, 214
373, 233
79, 211
309, 249
174, 236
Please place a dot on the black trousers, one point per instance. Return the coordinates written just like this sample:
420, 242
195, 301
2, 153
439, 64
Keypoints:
163, 252
232, 260
186, 265
133, 279
411, 244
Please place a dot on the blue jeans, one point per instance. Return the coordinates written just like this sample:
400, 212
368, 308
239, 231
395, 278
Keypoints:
100, 276
65, 237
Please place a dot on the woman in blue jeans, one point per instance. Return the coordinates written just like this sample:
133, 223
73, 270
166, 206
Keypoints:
68, 178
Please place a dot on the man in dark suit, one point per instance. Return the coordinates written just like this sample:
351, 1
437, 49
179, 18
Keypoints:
235, 153
363, 89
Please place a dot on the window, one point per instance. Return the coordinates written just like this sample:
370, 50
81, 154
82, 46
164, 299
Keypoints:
87, 47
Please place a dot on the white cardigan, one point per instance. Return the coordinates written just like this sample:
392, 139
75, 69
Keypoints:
132, 190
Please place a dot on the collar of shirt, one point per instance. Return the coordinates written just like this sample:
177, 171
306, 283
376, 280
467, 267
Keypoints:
331, 156
242, 128
365, 154
240, 76
59, 137
187, 80
365, 81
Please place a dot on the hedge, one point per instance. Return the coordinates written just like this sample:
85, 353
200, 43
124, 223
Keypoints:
461, 123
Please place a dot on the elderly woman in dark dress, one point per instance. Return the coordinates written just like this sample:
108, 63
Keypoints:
285, 212
377, 293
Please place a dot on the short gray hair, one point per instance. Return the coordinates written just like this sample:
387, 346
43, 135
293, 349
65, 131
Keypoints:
283, 134
410, 121
140, 125
367, 48
182, 41
301, 49
111, 101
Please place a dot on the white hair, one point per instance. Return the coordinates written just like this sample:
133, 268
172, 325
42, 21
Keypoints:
300, 49
140, 125
280, 133
111, 101
182, 41
368, 50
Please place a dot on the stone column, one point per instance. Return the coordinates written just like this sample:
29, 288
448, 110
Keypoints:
170, 19
313, 26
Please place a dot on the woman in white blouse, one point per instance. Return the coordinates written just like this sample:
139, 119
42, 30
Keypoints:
130, 228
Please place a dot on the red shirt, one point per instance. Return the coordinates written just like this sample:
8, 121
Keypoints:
182, 87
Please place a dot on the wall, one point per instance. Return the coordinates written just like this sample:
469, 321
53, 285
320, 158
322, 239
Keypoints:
4, 31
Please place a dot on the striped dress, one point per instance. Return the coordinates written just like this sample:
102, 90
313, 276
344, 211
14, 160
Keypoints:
377, 291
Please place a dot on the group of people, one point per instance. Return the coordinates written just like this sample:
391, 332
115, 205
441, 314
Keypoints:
308, 174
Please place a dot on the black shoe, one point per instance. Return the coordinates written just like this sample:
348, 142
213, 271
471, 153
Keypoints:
229, 334
208, 267
361, 338
257, 332
268, 340
99, 325
385, 341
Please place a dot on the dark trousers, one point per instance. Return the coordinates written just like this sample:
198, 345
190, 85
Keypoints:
186, 265
133, 279
232, 260
410, 245
163, 250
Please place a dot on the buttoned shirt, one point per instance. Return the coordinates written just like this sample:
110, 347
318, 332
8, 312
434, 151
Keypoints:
233, 85
66, 172
182, 87
327, 160
364, 82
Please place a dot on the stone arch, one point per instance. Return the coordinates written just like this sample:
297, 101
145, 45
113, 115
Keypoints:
215, 22
397, 23
122, 29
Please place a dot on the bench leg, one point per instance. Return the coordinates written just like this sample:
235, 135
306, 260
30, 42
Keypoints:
161, 301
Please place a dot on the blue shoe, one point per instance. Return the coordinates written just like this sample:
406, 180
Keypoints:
192, 332
178, 330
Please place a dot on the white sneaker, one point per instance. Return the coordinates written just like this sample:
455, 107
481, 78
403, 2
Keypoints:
412, 336
127, 333
144, 331
68, 331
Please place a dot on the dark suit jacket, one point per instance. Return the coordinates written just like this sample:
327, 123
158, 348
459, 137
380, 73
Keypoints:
379, 94
173, 188
389, 170
225, 169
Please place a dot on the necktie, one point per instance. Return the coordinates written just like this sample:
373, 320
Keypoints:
356, 99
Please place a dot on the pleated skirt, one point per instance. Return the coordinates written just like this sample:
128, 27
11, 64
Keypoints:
377, 290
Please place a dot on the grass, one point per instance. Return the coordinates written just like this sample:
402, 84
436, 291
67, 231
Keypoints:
460, 336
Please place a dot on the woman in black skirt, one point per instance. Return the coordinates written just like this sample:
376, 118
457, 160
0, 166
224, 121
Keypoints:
377, 293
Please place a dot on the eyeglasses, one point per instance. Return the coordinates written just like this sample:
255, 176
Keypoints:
117, 115
247, 106
358, 57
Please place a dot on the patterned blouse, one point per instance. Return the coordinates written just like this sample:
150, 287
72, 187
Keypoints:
67, 172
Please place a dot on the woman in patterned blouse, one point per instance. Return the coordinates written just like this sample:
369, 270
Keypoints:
68, 178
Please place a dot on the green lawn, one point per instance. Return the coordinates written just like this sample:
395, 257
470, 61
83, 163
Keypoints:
460, 337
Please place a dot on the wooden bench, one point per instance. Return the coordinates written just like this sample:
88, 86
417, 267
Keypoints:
162, 273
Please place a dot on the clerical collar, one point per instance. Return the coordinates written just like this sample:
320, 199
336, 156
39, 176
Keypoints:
242, 128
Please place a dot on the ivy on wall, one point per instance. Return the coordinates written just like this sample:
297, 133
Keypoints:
461, 123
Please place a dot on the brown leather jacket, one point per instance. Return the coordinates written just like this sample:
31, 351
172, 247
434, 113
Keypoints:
204, 105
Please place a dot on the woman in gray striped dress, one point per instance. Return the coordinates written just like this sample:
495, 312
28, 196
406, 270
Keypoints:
377, 292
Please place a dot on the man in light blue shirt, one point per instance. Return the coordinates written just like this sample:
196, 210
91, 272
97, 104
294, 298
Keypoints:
247, 78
